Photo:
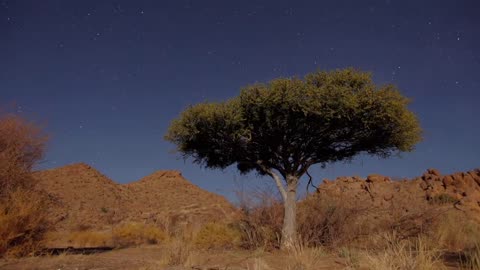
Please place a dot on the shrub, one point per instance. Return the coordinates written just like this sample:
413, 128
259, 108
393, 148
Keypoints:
217, 235
261, 225
132, 234
22, 207
443, 198
22, 222
329, 221
21, 147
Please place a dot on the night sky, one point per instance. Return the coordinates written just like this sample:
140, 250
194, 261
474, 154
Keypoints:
107, 77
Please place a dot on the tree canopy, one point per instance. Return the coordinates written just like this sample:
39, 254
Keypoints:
289, 124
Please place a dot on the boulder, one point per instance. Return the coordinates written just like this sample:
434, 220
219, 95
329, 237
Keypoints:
423, 185
434, 172
447, 180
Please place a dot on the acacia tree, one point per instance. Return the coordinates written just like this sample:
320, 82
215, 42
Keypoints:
283, 127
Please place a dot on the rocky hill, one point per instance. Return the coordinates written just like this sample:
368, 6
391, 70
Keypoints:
379, 198
83, 198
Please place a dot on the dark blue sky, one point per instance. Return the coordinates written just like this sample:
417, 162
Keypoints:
107, 77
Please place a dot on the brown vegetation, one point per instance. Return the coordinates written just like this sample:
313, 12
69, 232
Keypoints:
22, 220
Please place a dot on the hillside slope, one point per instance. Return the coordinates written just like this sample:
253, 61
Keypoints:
83, 198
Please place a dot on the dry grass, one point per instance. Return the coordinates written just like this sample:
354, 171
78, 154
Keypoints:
178, 252
301, 257
453, 235
125, 235
90, 239
351, 256
217, 236
132, 234
415, 254
472, 257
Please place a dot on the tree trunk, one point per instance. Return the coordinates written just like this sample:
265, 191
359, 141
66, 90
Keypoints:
289, 230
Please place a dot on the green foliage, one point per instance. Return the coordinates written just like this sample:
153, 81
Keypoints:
290, 124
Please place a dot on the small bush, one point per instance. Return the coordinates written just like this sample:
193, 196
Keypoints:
132, 234
217, 235
443, 198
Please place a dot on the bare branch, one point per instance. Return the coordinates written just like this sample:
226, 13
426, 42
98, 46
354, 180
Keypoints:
310, 181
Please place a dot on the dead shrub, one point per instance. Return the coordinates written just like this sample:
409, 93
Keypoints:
328, 221
22, 207
261, 224
22, 222
216, 236
21, 147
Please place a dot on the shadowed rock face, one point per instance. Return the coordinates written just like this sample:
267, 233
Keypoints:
459, 190
83, 198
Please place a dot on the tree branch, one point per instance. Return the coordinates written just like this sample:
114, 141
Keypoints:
275, 177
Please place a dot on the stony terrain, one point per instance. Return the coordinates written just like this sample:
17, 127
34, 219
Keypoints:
459, 190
